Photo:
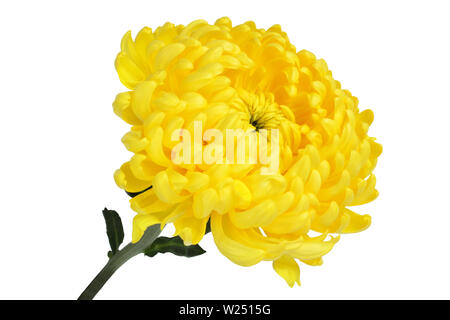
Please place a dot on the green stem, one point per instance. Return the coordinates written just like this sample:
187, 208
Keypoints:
117, 260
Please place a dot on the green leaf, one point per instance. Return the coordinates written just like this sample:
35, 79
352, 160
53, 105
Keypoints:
134, 194
114, 230
173, 245
208, 227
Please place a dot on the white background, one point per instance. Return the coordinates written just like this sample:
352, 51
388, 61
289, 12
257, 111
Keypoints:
60, 144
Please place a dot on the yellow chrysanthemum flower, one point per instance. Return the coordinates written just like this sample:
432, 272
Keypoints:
244, 77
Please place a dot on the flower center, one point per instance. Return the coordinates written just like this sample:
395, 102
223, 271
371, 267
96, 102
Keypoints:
262, 112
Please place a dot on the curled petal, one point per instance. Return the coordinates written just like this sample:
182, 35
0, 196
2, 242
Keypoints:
232, 249
164, 190
354, 222
260, 215
129, 73
288, 269
126, 180
204, 202
313, 248
122, 107
190, 228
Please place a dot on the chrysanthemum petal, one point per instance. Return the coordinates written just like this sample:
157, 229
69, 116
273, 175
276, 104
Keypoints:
122, 107
288, 269
314, 248
164, 190
290, 222
128, 72
204, 202
126, 180
167, 54
190, 228
142, 97
260, 215
356, 222
232, 249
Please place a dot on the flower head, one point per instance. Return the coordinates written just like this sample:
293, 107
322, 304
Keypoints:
242, 77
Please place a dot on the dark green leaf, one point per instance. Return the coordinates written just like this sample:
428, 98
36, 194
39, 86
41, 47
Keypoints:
173, 245
134, 194
208, 227
114, 230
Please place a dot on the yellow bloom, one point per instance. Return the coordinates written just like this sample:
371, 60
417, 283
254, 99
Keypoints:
243, 77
